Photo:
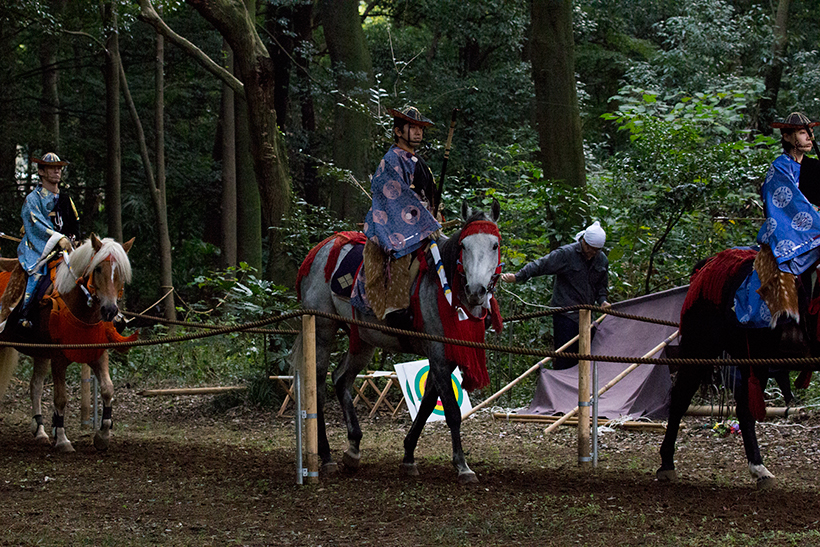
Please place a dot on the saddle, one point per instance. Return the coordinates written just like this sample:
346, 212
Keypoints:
13, 286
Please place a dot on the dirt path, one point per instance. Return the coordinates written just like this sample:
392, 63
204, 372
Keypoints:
178, 473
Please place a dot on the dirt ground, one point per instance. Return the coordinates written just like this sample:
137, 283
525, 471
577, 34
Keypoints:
180, 473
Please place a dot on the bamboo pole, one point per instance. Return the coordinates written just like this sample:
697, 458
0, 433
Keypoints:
309, 375
771, 412
190, 391
584, 370
618, 378
539, 418
526, 373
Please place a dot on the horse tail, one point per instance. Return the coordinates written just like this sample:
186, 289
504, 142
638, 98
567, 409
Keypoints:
8, 363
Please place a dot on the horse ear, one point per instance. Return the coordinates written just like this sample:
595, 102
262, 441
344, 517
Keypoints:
465, 210
95, 242
127, 245
496, 210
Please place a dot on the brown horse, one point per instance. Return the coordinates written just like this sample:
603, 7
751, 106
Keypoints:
80, 310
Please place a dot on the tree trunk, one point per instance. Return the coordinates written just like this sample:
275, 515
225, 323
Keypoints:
304, 31
113, 197
50, 103
228, 152
557, 113
772, 72
161, 203
352, 128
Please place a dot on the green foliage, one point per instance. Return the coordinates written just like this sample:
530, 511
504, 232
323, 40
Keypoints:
685, 188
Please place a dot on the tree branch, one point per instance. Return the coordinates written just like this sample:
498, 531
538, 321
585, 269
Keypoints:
150, 16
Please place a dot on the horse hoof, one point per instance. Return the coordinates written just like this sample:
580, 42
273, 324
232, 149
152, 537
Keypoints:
101, 442
467, 478
666, 475
42, 439
410, 469
329, 468
766, 483
64, 448
351, 459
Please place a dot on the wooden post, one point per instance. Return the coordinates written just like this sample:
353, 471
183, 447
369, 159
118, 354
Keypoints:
584, 375
309, 376
85, 397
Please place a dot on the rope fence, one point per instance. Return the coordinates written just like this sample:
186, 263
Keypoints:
794, 363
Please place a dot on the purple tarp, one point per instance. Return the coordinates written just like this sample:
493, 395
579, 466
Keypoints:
644, 391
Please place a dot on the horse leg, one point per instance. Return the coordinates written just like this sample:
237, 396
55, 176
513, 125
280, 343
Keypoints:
100, 368
325, 333
426, 407
452, 414
38, 377
343, 379
765, 479
686, 385
58, 371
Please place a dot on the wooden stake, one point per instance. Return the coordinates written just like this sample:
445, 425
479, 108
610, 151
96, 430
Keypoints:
311, 405
584, 377
526, 373
617, 379
85, 397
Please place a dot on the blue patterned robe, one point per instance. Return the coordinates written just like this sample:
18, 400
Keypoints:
397, 221
791, 230
39, 229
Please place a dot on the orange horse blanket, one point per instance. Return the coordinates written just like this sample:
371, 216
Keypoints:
65, 328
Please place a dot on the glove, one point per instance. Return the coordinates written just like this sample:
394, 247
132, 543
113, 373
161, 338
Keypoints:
65, 244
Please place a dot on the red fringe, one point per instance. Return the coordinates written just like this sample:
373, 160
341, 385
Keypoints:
65, 328
708, 282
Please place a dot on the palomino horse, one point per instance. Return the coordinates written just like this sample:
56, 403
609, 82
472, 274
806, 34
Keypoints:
709, 328
471, 261
79, 311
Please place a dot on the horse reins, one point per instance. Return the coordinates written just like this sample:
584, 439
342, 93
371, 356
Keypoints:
481, 227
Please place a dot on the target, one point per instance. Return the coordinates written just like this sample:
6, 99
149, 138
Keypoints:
413, 381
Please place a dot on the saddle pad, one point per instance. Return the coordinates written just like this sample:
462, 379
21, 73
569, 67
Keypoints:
341, 283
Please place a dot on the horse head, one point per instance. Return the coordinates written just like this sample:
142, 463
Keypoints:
100, 268
478, 264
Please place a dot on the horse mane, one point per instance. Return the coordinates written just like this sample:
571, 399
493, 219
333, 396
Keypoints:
83, 260
450, 250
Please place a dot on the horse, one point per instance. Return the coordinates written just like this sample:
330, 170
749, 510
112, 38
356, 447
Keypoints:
80, 310
709, 329
470, 259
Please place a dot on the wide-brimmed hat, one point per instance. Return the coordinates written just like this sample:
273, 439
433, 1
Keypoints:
795, 120
412, 115
50, 160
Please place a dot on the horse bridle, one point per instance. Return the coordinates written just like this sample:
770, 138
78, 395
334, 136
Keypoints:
88, 287
480, 227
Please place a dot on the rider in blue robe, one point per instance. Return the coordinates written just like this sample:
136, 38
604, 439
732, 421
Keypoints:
50, 221
792, 227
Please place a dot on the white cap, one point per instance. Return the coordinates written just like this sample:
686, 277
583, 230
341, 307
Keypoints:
594, 235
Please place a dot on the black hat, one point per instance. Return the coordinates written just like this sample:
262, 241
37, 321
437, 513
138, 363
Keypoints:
411, 114
50, 160
795, 120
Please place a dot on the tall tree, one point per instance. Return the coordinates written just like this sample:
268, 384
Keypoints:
50, 101
352, 125
253, 62
773, 71
228, 154
557, 113
160, 196
113, 173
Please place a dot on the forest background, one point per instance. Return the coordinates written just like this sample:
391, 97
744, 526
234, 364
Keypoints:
230, 137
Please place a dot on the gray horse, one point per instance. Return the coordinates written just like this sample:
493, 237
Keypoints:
471, 254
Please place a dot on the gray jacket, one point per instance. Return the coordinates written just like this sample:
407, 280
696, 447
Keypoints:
577, 281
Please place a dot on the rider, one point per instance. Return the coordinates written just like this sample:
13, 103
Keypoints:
400, 220
790, 237
50, 223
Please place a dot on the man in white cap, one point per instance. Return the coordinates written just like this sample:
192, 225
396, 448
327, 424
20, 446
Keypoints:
581, 272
